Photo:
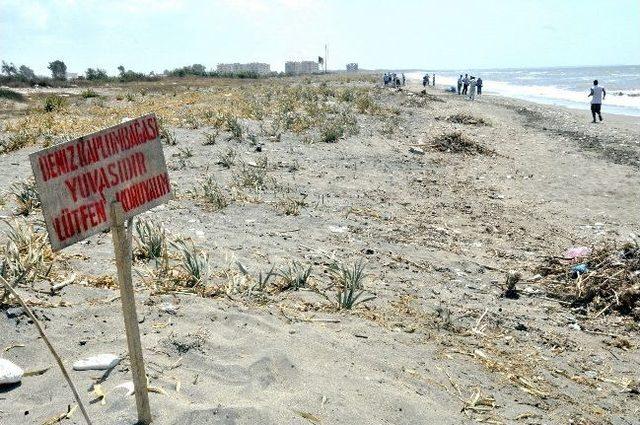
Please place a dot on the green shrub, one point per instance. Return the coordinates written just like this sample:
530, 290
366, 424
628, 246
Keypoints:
213, 195
366, 105
331, 132
233, 125
194, 261
88, 93
150, 239
210, 138
11, 95
54, 103
349, 283
295, 276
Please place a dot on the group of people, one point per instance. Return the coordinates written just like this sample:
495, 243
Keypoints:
469, 86
425, 80
392, 79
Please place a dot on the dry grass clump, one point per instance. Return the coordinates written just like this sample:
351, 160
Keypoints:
166, 135
25, 255
15, 141
227, 158
456, 142
210, 138
431, 97
26, 196
415, 102
336, 127
252, 176
468, 119
211, 193
285, 105
291, 205
611, 281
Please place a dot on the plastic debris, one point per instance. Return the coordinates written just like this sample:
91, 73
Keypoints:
99, 362
127, 386
577, 252
579, 269
338, 229
169, 308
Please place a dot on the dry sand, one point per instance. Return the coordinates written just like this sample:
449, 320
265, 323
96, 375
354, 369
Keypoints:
438, 231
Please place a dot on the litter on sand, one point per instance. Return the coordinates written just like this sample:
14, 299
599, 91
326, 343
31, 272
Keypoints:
99, 362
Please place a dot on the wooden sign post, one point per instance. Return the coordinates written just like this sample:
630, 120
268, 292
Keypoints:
99, 181
122, 248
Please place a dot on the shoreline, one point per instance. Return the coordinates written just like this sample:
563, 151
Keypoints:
575, 100
617, 117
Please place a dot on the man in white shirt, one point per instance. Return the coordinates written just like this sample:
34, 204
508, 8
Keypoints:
598, 94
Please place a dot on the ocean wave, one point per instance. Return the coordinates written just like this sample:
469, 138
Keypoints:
624, 101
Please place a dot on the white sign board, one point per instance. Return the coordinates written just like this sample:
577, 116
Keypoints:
78, 180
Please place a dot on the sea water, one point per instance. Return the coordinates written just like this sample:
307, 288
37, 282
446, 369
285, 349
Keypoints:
567, 86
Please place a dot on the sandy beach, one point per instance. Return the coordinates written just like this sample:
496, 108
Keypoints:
437, 224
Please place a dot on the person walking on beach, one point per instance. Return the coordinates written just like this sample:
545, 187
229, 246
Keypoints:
479, 86
403, 79
597, 94
472, 88
427, 77
425, 81
434, 80
460, 84
465, 84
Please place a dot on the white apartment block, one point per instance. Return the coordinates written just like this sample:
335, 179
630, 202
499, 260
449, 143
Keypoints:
255, 67
303, 67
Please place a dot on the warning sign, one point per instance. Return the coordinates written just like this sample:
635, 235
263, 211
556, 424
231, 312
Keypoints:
78, 180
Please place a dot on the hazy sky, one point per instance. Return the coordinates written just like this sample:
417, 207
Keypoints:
146, 35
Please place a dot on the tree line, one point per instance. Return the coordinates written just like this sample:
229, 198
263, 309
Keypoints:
10, 73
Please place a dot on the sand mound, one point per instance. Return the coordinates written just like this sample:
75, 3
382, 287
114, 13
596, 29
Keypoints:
467, 119
456, 142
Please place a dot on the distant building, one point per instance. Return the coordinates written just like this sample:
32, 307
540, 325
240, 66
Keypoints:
303, 67
352, 67
72, 76
234, 68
